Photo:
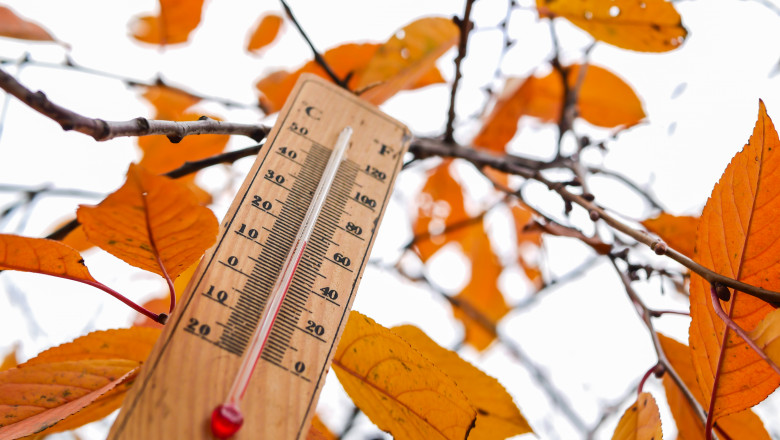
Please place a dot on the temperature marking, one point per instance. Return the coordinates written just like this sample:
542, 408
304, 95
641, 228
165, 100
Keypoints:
193, 366
229, 410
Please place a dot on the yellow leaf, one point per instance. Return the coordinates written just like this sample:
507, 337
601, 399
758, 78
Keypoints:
741, 425
480, 305
177, 18
406, 57
151, 222
44, 256
679, 232
11, 25
401, 391
641, 25
641, 421
265, 32
88, 371
604, 99
738, 237
497, 416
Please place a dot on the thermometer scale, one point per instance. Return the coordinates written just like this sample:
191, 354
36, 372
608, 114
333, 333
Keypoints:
205, 359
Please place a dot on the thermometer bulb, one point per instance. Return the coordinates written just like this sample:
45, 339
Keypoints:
226, 420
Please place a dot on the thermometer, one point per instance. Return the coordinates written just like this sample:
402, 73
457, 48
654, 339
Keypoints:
251, 341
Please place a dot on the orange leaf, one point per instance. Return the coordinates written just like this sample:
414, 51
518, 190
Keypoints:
497, 415
399, 389
163, 303
679, 232
604, 100
43, 256
738, 237
527, 238
343, 59
480, 305
151, 222
642, 421
65, 379
11, 25
77, 239
441, 214
265, 32
741, 425
432, 76
9, 361
169, 103
25, 417
173, 25
318, 430
407, 56
641, 25
160, 154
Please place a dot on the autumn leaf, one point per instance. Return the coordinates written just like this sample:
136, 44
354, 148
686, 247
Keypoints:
162, 304
641, 421
679, 232
176, 20
741, 425
406, 57
641, 25
497, 415
89, 374
9, 361
400, 390
441, 212
343, 60
528, 241
264, 33
39, 255
151, 222
738, 238
318, 430
13, 26
160, 155
480, 305
603, 99
353, 61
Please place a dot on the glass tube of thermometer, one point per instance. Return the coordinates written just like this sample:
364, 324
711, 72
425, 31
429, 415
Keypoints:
226, 419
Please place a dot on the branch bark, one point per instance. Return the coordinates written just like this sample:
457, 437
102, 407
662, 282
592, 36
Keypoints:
102, 130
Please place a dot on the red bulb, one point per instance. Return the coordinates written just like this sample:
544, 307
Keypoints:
226, 420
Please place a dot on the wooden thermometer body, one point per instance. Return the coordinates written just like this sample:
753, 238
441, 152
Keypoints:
195, 360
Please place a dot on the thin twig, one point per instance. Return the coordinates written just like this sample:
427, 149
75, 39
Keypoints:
102, 130
69, 64
317, 56
644, 313
644, 193
465, 26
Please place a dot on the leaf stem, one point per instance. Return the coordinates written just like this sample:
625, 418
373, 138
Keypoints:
138, 308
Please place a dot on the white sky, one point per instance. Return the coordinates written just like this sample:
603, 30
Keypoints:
701, 101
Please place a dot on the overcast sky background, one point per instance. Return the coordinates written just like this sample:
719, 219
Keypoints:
701, 101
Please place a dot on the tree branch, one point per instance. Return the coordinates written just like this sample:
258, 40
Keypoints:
102, 130
317, 56
527, 168
465, 26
